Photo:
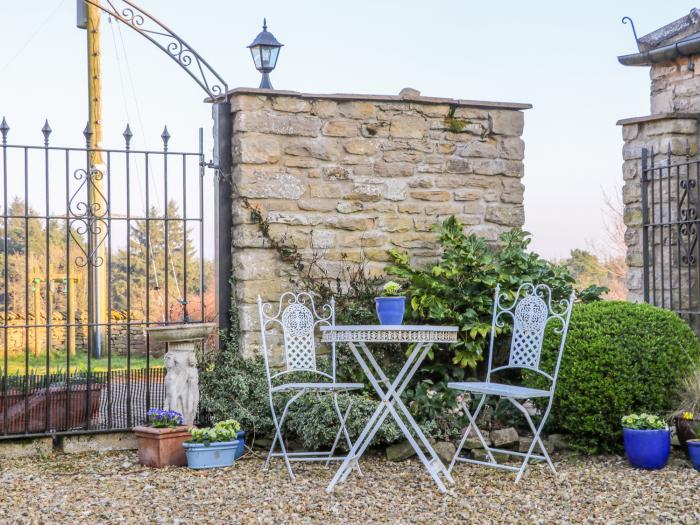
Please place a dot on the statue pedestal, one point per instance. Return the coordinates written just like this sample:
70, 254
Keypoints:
182, 377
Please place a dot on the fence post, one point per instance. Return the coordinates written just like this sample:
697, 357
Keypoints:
645, 225
223, 131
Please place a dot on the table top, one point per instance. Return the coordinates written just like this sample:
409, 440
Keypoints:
389, 333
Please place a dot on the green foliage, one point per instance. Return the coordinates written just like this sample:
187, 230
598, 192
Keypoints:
619, 358
643, 422
223, 431
458, 289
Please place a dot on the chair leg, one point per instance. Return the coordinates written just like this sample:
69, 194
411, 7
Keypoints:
536, 440
472, 422
278, 434
343, 418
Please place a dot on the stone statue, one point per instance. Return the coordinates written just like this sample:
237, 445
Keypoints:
182, 384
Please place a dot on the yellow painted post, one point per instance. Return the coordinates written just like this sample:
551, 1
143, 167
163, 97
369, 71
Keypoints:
96, 195
37, 299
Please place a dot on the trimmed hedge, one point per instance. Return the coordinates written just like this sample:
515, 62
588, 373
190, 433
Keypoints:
619, 358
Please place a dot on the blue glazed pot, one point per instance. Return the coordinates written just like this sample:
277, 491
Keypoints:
647, 449
694, 453
211, 455
241, 444
390, 310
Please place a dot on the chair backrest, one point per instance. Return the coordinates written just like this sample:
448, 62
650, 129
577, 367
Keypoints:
531, 311
297, 318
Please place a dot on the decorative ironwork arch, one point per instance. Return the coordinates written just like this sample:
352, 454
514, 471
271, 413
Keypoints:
167, 41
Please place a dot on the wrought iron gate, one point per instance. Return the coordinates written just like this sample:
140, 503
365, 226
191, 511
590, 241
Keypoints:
670, 221
139, 217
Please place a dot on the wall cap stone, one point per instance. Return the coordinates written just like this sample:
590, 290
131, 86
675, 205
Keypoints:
659, 116
377, 98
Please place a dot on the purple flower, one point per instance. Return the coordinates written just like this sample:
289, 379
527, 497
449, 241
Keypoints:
158, 418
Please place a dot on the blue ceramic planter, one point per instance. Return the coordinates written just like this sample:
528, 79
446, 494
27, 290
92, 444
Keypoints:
390, 310
647, 449
211, 455
694, 453
241, 444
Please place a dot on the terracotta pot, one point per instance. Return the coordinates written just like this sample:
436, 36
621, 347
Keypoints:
67, 410
160, 447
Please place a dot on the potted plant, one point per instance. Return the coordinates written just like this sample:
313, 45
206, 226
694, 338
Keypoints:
688, 406
391, 305
161, 439
694, 452
647, 440
213, 446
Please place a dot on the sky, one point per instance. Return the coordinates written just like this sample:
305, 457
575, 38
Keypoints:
558, 56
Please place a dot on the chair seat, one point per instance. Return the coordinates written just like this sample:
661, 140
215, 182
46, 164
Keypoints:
318, 387
499, 389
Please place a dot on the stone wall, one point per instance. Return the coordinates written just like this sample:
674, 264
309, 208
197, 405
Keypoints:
675, 87
354, 176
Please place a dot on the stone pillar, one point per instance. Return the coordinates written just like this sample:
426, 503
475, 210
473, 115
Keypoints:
352, 176
677, 132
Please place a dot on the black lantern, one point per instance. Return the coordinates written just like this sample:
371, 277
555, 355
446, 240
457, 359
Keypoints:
265, 49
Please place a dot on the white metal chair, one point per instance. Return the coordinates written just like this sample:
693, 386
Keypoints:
531, 311
297, 317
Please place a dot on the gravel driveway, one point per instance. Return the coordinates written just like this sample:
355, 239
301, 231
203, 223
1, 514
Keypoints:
114, 488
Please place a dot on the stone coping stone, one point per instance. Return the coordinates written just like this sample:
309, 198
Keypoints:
376, 98
23, 447
103, 442
659, 116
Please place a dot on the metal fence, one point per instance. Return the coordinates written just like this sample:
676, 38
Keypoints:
97, 244
670, 223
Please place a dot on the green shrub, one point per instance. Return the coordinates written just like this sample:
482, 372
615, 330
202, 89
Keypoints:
458, 289
619, 358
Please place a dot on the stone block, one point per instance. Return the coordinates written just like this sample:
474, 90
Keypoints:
662, 102
445, 451
630, 131
255, 148
446, 148
350, 207
345, 222
411, 240
23, 448
247, 103
262, 122
326, 190
266, 184
357, 110
410, 207
363, 239
421, 182
511, 148
98, 442
403, 156
513, 191
324, 108
430, 195
408, 126
291, 104
375, 129
467, 194
335, 173
255, 264
394, 169
507, 122
323, 239
444, 208
504, 437
340, 128
395, 224
458, 166
365, 192
328, 150
506, 215
400, 451
479, 148
360, 146
317, 204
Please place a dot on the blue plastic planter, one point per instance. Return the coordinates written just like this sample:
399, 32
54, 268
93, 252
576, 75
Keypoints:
201, 455
390, 309
241, 444
647, 449
694, 453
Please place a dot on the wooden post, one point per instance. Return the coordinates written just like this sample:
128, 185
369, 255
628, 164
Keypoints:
37, 299
96, 195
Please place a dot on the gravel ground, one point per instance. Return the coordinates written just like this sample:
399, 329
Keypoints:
114, 488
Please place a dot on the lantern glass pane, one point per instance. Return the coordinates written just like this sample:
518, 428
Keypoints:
256, 53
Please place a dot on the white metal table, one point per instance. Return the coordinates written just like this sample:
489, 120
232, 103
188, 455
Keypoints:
423, 337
